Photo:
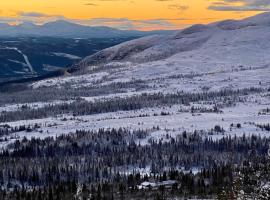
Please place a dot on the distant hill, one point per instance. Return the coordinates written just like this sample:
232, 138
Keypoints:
62, 28
226, 43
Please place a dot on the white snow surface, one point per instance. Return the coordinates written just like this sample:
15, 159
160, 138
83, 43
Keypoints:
88, 79
66, 55
230, 54
179, 119
25, 57
226, 43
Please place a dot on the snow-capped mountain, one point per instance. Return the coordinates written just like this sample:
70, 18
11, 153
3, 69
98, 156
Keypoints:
230, 42
62, 28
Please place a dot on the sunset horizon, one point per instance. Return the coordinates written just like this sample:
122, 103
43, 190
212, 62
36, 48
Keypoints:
129, 15
134, 99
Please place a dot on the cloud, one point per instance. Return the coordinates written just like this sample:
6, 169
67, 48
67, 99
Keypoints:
241, 5
91, 4
9, 20
31, 14
34, 17
178, 7
132, 24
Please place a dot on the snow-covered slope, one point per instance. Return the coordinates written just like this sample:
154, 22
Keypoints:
229, 42
227, 54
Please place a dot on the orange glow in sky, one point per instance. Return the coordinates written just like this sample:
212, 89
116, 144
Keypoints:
127, 14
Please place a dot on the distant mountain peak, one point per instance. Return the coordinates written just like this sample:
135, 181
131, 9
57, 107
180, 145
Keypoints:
62, 22
4, 25
27, 24
64, 28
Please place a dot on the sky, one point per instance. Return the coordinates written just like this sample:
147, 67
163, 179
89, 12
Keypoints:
130, 14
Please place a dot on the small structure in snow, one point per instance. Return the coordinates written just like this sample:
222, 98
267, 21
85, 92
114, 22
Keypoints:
155, 185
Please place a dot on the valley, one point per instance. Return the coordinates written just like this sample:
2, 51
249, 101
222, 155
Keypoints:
28, 57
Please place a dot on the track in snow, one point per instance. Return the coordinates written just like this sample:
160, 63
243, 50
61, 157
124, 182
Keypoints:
24, 56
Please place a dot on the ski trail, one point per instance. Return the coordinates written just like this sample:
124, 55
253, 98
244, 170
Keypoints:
24, 56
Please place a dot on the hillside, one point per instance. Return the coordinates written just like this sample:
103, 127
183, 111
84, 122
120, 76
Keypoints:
228, 42
217, 55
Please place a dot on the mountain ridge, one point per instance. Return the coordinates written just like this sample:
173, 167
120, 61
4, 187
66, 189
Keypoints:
247, 34
63, 28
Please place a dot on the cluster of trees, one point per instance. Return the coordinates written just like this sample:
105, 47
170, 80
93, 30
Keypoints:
94, 158
265, 127
6, 130
78, 108
198, 109
251, 180
65, 92
204, 184
264, 111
